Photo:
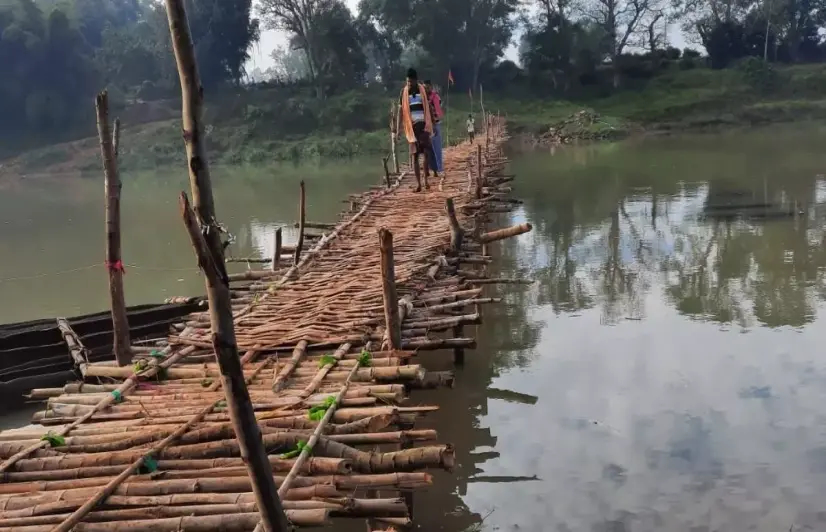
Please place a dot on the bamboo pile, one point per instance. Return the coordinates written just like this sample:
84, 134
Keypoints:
152, 447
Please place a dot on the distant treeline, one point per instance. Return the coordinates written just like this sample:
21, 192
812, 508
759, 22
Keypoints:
55, 54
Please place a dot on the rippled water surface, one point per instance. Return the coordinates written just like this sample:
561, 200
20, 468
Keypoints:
667, 361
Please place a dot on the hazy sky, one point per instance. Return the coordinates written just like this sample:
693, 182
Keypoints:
270, 39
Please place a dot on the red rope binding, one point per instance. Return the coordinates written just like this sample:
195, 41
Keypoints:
116, 266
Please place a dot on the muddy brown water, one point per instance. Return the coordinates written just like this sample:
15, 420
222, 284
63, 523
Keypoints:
662, 374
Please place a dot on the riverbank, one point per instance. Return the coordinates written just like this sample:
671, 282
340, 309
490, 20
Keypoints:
264, 125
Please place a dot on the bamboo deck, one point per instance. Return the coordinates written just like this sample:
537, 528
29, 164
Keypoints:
151, 447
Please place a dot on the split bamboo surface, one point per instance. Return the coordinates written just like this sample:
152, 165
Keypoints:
151, 446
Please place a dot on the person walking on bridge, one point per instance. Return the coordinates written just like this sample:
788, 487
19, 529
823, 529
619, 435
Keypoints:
416, 121
471, 127
435, 102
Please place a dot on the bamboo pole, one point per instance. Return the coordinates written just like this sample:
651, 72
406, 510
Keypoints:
120, 324
209, 250
480, 183
386, 172
301, 221
77, 350
393, 133
391, 298
456, 232
276, 257
238, 399
280, 381
507, 232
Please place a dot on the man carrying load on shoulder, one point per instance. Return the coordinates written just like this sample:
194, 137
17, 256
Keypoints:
416, 121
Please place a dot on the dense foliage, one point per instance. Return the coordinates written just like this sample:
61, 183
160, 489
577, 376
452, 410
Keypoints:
56, 54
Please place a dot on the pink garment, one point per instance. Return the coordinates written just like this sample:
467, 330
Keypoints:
436, 105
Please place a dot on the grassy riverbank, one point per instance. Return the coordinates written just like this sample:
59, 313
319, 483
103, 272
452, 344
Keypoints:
265, 125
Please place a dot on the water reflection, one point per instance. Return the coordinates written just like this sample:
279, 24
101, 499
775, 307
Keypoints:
665, 363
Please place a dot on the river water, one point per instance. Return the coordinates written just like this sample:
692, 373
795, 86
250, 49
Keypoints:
660, 374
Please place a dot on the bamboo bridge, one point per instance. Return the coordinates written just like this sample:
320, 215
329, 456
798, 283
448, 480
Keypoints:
330, 343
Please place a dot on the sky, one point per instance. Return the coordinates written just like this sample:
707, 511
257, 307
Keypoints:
271, 39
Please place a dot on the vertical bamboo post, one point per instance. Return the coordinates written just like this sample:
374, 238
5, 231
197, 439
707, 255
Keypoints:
481, 171
456, 232
203, 232
393, 132
116, 138
114, 265
276, 257
391, 297
241, 413
386, 172
459, 352
301, 221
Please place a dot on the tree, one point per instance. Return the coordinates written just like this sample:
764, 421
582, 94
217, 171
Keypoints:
460, 35
325, 31
289, 65
620, 20
223, 32
383, 45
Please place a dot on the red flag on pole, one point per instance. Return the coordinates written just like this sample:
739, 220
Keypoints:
450, 80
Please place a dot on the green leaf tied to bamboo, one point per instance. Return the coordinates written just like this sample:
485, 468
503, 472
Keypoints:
295, 452
55, 440
365, 359
317, 412
148, 466
327, 360
139, 366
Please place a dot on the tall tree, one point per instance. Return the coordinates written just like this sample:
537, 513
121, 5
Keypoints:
325, 31
621, 20
462, 35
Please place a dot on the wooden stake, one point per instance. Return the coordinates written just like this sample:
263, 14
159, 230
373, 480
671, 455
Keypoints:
456, 233
240, 408
301, 221
276, 258
458, 351
391, 298
481, 182
204, 233
386, 172
120, 323
192, 96
393, 133
116, 138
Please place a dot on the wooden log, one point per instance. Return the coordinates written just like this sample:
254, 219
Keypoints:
114, 264
276, 258
280, 381
77, 350
391, 299
507, 232
301, 223
456, 232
